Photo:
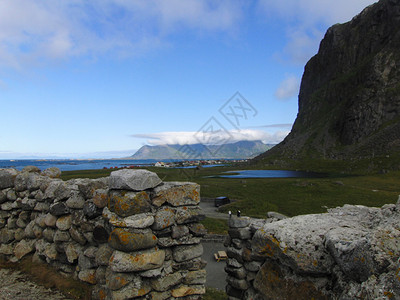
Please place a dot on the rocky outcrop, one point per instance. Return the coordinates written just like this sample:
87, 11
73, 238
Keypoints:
350, 252
129, 235
349, 101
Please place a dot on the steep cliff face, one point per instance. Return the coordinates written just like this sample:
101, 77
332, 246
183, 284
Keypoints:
349, 101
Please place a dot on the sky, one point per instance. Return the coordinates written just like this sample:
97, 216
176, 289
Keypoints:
103, 78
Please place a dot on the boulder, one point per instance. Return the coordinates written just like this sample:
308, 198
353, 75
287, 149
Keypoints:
133, 180
298, 242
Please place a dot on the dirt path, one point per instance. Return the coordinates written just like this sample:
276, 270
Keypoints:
15, 285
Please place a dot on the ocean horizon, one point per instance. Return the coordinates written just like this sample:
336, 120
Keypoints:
73, 164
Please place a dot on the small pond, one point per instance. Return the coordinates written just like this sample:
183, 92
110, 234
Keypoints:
271, 174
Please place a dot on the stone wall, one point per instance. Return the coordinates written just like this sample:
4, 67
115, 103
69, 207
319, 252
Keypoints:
350, 252
129, 235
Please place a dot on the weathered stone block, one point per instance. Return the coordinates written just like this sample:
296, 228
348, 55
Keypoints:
129, 203
64, 222
137, 261
294, 242
177, 194
179, 231
240, 233
59, 209
132, 290
197, 229
138, 221
190, 265
48, 234
88, 276
100, 198
134, 180
76, 201
187, 290
239, 273
131, 240
165, 217
103, 255
7, 177
166, 282
73, 250
52, 172
23, 248
195, 277
91, 211
77, 236
6, 236
61, 236
187, 215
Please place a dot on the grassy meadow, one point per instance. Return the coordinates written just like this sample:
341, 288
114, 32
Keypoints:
289, 196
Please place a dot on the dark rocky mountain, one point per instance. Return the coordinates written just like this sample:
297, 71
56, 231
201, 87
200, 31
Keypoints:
238, 150
349, 101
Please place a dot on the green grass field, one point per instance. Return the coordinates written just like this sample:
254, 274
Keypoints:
289, 196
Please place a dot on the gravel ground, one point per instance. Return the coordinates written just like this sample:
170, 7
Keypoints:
17, 286
216, 276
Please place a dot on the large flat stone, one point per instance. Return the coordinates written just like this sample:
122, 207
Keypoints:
138, 221
134, 180
137, 261
125, 204
177, 194
128, 240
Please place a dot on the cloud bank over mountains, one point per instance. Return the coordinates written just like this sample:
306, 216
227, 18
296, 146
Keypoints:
215, 137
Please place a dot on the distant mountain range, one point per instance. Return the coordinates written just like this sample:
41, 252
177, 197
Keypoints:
238, 150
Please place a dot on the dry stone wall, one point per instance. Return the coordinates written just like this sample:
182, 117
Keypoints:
130, 235
350, 252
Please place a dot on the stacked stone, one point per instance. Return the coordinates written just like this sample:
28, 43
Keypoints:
241, 269
59, 222
129, 235
350, 252
155, 238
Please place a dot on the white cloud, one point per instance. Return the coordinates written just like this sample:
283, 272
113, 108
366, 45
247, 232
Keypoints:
306, 18
288, 88
33, 31
231, 136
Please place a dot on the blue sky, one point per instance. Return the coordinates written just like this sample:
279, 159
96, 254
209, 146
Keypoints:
102, 78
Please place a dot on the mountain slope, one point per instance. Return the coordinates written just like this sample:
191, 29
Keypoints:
238, 150
349, 101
